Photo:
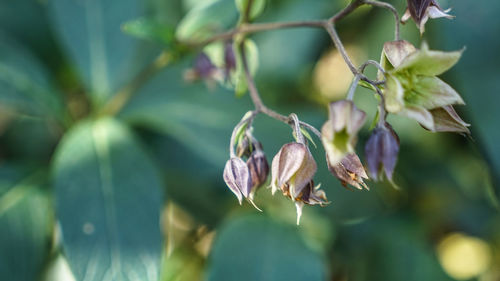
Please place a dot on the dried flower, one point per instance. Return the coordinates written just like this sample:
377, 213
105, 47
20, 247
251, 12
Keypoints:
412, 88
349, 171
422, 10
381, 151
339, 133
311, 195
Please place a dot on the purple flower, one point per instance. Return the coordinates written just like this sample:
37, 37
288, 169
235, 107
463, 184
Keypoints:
381, 152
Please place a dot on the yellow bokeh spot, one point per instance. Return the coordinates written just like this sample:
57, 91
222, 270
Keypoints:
464, 257
332, 77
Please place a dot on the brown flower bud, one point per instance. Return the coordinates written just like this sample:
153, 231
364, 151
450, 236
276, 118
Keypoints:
349, 171
381, 151
259, 169
237, 178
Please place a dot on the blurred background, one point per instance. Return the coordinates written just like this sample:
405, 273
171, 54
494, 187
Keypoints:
62, 60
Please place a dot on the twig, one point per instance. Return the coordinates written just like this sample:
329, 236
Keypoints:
390, 8
260, 107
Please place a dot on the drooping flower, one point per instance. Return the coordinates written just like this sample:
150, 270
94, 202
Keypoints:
339, 133
412, 88
421, 10
381, 152
237, 178
349, 171
293, 168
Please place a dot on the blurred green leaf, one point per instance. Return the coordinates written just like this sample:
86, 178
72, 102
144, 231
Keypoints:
149, 29
26, 223
258, 248
391, 249
197, 117
24, 83
207, 18
108, 198
91, 32
257, 7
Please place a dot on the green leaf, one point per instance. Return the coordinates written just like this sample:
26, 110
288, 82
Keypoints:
26, 223
257, 7
149, 29
206, 19
91, 32
24, 83
108, 196
198, 118
258, 248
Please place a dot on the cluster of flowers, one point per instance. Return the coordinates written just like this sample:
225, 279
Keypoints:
411, 89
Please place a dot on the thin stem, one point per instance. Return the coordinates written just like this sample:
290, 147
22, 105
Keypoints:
254, 28
390, 8
296, 128
244, 121
352, 89
381, 108
260, 107
340, 47
346, 11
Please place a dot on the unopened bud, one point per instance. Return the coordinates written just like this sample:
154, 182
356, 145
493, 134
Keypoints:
381, 152
237, 177
259, 169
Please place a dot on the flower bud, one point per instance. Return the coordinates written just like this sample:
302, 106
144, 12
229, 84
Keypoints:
349, 171
237, 177
259, 169
381, 152
339, 133
292, 169
422, 10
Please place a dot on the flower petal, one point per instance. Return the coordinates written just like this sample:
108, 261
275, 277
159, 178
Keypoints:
432, 92
292, 157
397, 51
419, 114
303, 176
394, 95
237, 177
428, 62
446, 119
